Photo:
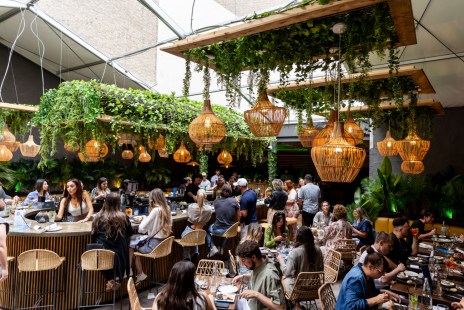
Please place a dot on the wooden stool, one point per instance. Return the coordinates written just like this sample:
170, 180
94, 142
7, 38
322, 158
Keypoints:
96, 260
37, 260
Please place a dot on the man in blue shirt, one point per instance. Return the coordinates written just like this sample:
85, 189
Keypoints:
247, 206
308, 200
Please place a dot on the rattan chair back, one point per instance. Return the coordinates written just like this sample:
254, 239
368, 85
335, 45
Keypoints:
306, 286
347, 247
97, 259
161, 250
206, 266
332, 266
38, 260
233, 262
231, 232
327, 297
133, 297
363, 248
193, 238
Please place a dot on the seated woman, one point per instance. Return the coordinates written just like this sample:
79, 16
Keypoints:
101, 191
180, 292
157, 225
198, 215
323, 218
336, 231
76, 206
254, 233
41, 190
277, 200
112, 229
305, 257
276, 232
358, 291
362, 228
217, 189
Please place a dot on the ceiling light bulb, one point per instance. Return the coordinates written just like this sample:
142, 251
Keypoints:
389, 144
208, 122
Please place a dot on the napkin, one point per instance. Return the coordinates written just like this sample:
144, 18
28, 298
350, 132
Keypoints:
425, 246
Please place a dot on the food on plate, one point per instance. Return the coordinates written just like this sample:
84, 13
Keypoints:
447, 283
410, 282
225, 297
401, 275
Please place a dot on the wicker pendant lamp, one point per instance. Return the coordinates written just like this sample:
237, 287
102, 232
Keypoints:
324, 135
29, 148
160, 142
265, 119
387, 147
193, 164
412, 166
87, 159
227, 166
5, 154
128, 138
127, 151
13, 147
7, 138
224, 158
412, 150
353, 129
182, 155
71, 148
144, 157
309, 133
338, 160
207, 128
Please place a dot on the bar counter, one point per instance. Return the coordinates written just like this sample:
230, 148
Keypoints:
70, 242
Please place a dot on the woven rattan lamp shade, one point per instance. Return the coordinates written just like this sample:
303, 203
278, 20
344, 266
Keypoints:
144, 157
182, 155
93, 148
29, 148
71, 148
13, 147
129, 138
324, 135
193, 164
207, 128
224, 158
412, 166
127, 151
160, 142
413, 148
265, 119
338, 161
307, 135
353, 129
7, 138
5, 153
387, 147
87, 159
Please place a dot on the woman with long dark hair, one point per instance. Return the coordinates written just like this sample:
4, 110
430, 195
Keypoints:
101, 191
41, 190
112, 229
180, 292
305, 257
277, 231
76, 206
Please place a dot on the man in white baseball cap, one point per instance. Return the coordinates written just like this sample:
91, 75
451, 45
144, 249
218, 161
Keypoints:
247, 206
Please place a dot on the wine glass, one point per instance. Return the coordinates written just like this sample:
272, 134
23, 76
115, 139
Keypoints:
224, 272
415, 231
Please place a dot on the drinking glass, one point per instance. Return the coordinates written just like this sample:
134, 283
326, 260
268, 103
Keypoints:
224, 272
413, 301
51, 216
415, 231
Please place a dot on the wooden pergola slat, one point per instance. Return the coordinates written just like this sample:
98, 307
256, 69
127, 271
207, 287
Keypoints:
417, 74
401, 11
435, 105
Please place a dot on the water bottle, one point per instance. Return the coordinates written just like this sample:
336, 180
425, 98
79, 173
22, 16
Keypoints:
426, 295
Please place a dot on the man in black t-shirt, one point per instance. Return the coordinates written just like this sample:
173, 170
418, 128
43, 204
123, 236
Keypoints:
426, 218
190, 195
401, 250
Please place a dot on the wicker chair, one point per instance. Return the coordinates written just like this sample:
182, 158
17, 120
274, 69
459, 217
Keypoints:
347, 247
192, 238
37, 260
163, 249
332, 266
231, 232
206, 266
327, 297
306, 288
95, 261
133, 297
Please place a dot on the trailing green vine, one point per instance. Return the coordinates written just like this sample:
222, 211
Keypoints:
272, 164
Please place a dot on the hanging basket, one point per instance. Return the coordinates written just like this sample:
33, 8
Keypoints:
353, 129
224, 158
388, 146
265, 119
413, 148
338, 161
29, 148
412, 166
5, 154
207, 128
182, 155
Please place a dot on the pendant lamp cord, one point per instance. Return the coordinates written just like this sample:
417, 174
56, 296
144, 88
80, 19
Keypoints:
339, 74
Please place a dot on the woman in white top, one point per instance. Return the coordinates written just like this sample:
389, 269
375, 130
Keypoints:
157, 225
180, 292
198, 215
76, 205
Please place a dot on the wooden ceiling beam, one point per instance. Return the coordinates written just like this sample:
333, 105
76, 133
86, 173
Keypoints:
435, 105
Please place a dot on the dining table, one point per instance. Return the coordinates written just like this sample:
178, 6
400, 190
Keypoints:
226, 294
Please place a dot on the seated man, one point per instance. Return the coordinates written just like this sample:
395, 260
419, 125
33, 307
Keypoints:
383, 245
266, 289
401, 250
426, 218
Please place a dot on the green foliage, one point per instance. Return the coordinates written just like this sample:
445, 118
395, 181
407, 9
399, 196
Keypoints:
272, 164
19, 122
70, 114
451, 204
203, 161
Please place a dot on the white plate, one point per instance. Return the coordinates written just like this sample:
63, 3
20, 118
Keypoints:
402, 276
57, 228
228, 289
412, 258
447, 283
411, 273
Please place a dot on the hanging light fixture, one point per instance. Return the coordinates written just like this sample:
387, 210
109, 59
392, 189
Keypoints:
163, 153
7, 138
71, 148
193, 164
5, 153
182, 155
127, 151
160, 142
29, 148
207, 128
337, 160
14, 146
224, 158
128, 138
265, 119
309, 133
387, 147
144, 157
87, 159
412, 166
227, 166
353, 129
324, 135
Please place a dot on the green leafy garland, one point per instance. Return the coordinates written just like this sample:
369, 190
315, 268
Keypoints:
69, 113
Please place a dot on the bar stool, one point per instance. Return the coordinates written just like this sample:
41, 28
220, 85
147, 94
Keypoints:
95, 260
231, 232
192, 238
7, 285
35, 261
163, 249
133, 297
